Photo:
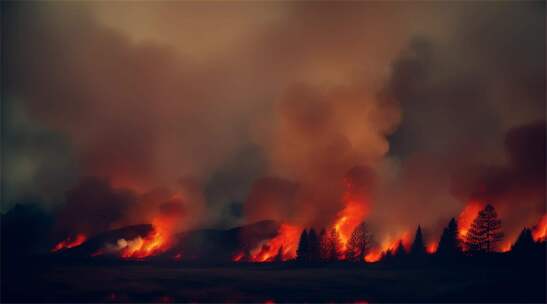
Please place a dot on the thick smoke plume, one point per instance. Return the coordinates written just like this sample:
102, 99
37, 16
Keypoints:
216, 114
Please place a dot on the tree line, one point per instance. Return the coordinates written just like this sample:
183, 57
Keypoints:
483, 237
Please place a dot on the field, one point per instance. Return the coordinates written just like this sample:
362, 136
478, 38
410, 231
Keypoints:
146, 282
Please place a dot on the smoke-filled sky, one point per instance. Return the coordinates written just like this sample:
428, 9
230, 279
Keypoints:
231, 112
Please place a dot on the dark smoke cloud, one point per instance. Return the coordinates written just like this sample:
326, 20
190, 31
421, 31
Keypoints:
93, 206
517, 188
460, 94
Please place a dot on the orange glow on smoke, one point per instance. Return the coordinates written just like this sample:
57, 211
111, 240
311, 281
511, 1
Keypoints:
540, 230
287, 238
155, 243
468, 215
431, 248
70, 242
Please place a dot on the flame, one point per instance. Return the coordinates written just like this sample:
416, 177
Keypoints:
238, 257
389, 244
70, 242
350, 217
354, 212
540, 230
468, 215
505, 247
287, 238
373, 256
431, 248
153, 244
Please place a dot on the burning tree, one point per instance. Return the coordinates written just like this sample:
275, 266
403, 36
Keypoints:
359, 244
485, 231
330, 245
449, 245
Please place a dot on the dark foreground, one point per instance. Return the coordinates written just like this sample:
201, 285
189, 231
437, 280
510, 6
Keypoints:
146, 282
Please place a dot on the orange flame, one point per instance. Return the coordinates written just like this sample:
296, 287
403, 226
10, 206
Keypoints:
373, 256
350, 217
70, 242
153, 244
468, 215
431, 248
354, 212
540, 230
287, 239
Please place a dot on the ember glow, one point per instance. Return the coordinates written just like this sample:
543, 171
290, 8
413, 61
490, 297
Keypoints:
286, 241
70, 242
431, 248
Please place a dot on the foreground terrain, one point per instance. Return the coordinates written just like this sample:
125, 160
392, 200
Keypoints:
94, 281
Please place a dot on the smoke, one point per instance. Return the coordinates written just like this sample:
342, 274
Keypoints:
217, 114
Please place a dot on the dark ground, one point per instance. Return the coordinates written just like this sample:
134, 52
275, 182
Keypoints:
94, 281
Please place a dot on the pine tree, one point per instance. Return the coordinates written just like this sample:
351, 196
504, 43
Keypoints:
525, 242
449, 245
324, 245
330, 246
359, 243
418, 247
279, 255
400, 250
314, 246
485, 232
302, 251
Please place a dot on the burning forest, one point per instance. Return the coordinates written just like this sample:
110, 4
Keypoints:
215, 152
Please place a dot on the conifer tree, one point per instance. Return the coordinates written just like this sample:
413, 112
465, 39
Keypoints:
359, 243
418, 246
485, 232
302, 251
449, 244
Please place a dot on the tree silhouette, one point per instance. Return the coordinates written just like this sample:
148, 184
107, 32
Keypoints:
485, 232
302, 251
525, 242
279, 255
418, 246
449, 245
400, 250
359, 243
314, 246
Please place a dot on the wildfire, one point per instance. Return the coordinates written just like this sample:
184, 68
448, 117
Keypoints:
373, 256
350, 217
286, 240
70, 242
468, 214
540, 230
354, 212
431, 248
155, 243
